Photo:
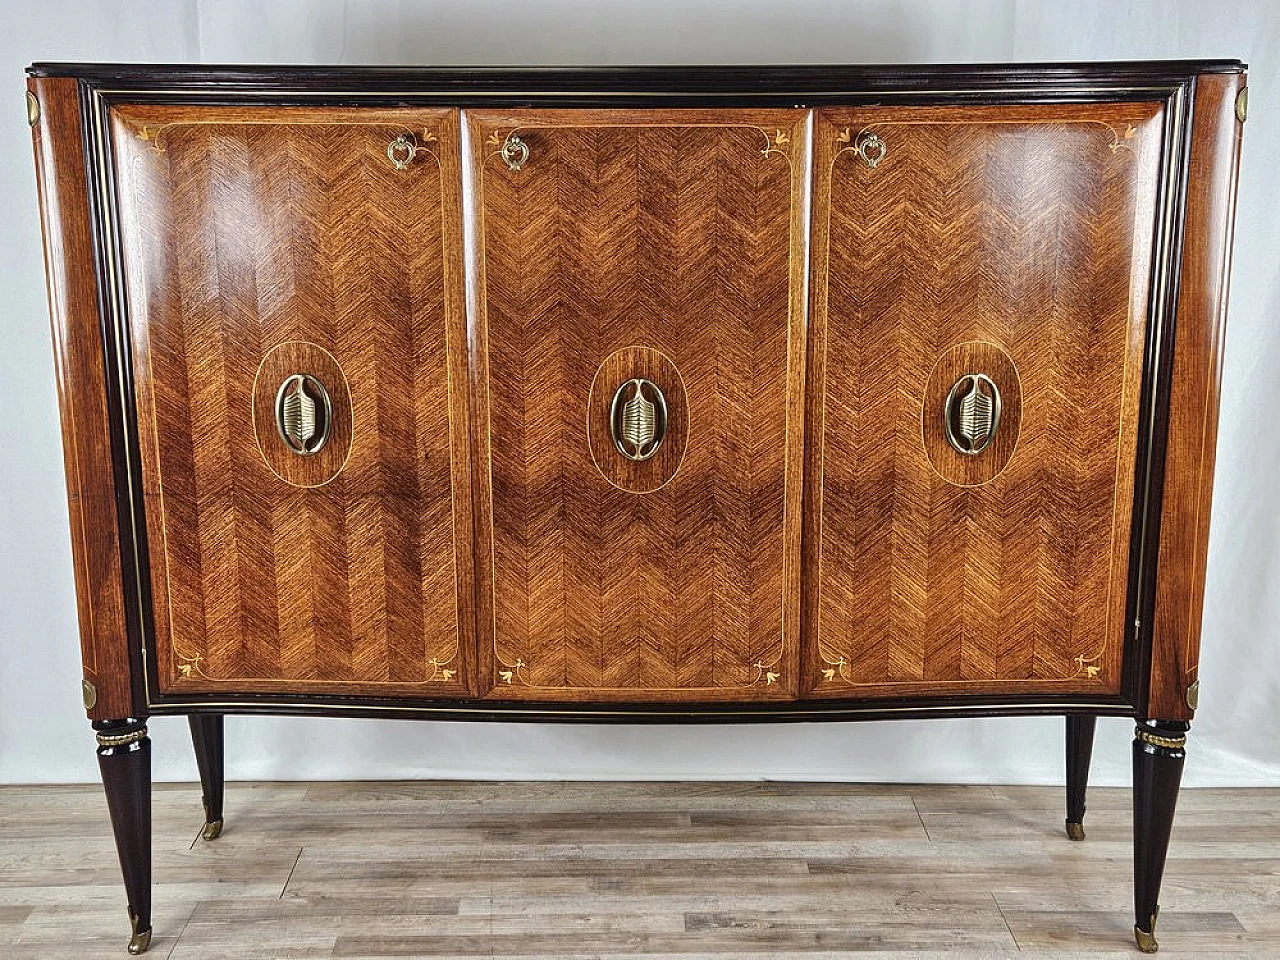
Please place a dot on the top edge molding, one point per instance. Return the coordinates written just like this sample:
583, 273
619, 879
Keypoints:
743, 79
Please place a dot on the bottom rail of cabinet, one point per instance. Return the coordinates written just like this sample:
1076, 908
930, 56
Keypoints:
771, 712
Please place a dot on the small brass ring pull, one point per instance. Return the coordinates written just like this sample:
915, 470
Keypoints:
402, 150
514, 152
971, 414
304, 414
871, 149
638, 419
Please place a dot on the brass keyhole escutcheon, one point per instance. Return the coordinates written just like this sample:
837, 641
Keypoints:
304, 414
515, 152
638, 419
871, 149
402, 150
971, 414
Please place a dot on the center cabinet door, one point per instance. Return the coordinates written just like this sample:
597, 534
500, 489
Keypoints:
299, 342
639, 278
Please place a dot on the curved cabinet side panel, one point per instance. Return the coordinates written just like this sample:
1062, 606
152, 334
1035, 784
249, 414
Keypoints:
82, 393
1193, 402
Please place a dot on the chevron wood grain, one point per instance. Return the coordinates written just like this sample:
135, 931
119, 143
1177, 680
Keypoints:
1027, 229
681, 232
248, 229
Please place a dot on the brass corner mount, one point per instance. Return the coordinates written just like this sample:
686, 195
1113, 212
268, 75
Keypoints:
89, 693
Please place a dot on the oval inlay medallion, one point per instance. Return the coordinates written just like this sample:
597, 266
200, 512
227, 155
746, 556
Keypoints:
971, 414
637, 419
302, 413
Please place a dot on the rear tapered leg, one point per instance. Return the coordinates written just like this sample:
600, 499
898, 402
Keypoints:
1079, 753
1158, 756
124, 756
206, 737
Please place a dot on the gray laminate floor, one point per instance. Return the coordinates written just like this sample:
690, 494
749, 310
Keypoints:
615, 870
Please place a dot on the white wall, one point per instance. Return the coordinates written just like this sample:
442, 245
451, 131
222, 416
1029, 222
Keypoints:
43, 735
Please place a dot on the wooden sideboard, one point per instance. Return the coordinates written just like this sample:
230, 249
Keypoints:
646, 394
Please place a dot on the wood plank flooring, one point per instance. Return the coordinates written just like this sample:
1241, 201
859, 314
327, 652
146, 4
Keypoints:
751, 870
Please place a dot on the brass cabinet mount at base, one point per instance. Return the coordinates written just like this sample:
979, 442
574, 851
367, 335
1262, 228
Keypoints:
648, 394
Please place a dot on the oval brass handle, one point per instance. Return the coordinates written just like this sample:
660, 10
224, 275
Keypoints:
304, 414
638, 419
972, 413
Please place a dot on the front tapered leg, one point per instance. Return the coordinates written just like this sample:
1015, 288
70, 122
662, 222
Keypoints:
124, 756
1158, 756
1079, 753
206, 737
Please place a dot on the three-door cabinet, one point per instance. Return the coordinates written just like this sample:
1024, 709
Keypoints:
647, 394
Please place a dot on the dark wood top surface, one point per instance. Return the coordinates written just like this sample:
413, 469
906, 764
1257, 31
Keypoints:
709, 79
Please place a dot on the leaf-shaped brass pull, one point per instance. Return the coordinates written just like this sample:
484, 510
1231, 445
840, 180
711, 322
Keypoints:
303, 414
972, 413
638, 419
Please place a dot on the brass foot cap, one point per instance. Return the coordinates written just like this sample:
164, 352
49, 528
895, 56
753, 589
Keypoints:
1146, 941
140, 942
1075, 831
213, 830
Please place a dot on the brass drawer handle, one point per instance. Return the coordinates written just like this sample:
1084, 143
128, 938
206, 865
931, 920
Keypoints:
972, 413
304, 414
638, 421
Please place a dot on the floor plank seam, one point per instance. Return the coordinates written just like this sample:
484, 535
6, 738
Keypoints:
923, 826
1000, 910
292, 870
185, 923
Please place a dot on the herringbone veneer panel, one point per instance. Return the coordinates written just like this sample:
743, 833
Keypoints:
674, 231
1028, 229
245, 230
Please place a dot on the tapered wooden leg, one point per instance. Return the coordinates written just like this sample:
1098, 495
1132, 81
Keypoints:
206, 737
1079, 753
1158, 756
124, 756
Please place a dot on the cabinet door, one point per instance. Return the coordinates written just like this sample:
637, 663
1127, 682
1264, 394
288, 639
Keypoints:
639, 271
970, 261
302, 262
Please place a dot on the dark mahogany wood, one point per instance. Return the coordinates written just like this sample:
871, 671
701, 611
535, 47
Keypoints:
1080, 730
1158, 756
207, 739
124, 757
728, 84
